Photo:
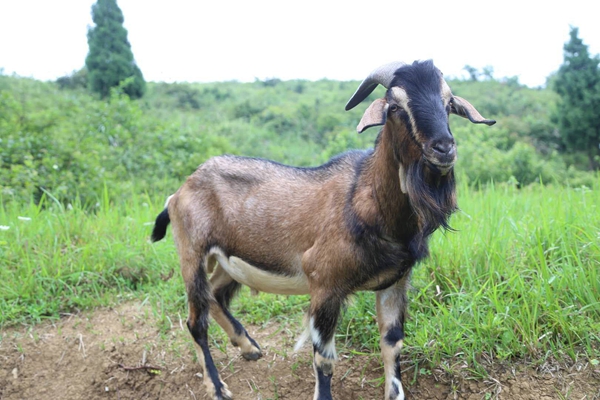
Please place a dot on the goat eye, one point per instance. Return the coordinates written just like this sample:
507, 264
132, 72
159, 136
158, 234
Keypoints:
394, 108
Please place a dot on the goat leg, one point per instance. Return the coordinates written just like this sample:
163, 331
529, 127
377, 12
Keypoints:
391, 308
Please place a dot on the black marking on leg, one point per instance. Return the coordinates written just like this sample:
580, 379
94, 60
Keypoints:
223, 296
394, 391
327, 368
397, 372
325, 321
225, 293
200, 336
324, 382
238, 328
252, 340
198, 297
394, 334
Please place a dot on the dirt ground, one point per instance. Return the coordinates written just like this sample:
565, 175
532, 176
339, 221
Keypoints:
112, 354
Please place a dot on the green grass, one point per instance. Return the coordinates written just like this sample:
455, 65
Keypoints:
518, 279
56, 259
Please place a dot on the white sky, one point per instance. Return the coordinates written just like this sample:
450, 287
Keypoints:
216, 40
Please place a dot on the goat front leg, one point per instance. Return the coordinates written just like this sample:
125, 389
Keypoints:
391, 308
324, 313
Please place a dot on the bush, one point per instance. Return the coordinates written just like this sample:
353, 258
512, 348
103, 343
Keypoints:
76, 80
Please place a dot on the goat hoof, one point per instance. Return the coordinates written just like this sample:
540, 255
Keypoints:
396, 391
225, 393
252, 356
218, 394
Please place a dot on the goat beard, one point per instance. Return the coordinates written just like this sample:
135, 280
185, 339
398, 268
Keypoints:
432, 197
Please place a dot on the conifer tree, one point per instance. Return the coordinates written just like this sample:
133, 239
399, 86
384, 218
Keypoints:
110, 59
578, 84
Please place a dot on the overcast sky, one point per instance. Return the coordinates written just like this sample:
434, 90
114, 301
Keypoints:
204, 41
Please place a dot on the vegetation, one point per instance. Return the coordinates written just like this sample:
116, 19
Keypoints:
578, 84
68, 143
519, 278
110, 60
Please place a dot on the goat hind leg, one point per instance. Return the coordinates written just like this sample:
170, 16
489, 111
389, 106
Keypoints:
224, 289
199, 302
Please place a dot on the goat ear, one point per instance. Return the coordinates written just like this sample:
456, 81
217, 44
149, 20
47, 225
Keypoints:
375, 115
463, 108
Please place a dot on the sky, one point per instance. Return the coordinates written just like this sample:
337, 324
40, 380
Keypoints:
207, 41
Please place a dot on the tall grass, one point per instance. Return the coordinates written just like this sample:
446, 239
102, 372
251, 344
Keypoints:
518, 278
56, 259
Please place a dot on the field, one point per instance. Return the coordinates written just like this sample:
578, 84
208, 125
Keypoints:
509, 301
507, 306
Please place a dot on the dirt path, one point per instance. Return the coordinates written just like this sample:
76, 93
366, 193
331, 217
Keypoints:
87, 357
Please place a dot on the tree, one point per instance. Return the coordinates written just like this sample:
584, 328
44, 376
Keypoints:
578, 84
110, 61
472, 71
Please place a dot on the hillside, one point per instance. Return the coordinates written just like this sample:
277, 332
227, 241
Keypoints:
68, 143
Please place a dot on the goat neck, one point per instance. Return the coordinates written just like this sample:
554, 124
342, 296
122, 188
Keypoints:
380, 195
410, 196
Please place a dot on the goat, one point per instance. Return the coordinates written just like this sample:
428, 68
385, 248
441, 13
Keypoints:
359, 222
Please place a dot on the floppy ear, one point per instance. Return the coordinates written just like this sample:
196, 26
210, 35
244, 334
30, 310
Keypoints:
375, 115
463, 108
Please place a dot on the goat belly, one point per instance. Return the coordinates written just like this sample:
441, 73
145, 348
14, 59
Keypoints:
262, 280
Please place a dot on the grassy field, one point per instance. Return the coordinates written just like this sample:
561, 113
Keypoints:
518, 279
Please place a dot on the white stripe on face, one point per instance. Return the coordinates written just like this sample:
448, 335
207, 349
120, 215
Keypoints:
401, 97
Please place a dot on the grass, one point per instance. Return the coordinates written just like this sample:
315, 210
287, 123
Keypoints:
519, 278
55, 259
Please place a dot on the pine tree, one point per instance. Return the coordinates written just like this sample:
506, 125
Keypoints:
110, 60
578, 84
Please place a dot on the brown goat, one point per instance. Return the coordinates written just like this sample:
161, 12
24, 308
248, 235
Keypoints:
359, 222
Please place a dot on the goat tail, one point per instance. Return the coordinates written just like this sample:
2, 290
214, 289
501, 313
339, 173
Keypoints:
160, 226
162, 221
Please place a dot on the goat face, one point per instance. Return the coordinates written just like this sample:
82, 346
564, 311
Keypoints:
418, 102
419, 99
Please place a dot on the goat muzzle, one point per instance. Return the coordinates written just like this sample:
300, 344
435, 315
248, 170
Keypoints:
441, 155
442, 165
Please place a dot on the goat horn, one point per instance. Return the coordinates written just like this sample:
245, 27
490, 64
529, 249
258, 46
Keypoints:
380, 76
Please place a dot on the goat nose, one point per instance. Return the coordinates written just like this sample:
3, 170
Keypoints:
443, 146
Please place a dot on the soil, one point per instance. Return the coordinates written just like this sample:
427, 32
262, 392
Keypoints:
121, 353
